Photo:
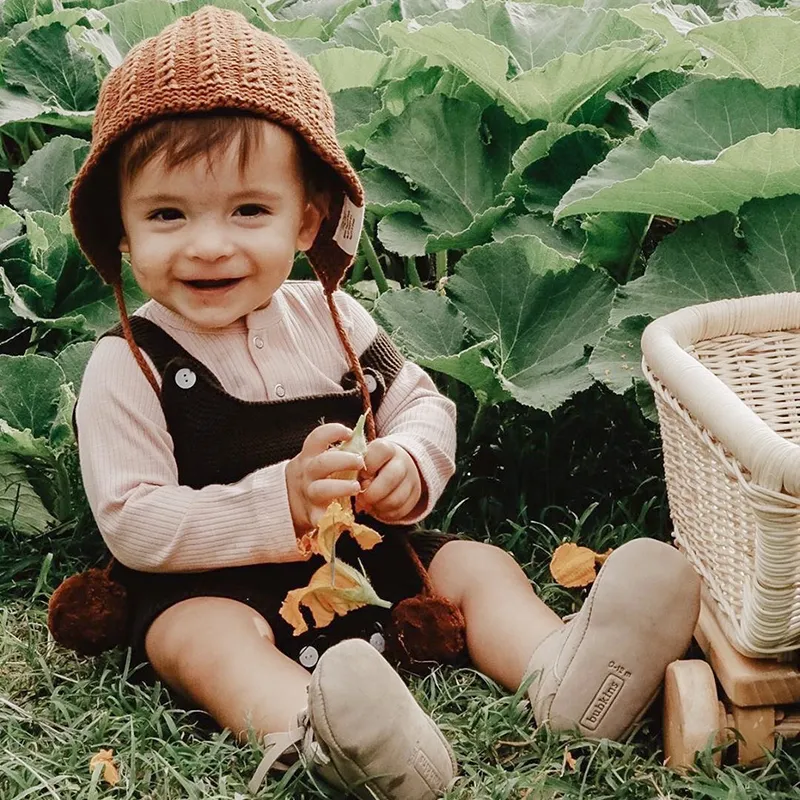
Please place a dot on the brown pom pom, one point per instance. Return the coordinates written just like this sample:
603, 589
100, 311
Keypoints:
88, 613
426, 630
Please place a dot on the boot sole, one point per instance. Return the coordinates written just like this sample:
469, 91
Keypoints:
613, 664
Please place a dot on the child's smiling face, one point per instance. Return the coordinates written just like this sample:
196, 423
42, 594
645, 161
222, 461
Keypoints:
214, 241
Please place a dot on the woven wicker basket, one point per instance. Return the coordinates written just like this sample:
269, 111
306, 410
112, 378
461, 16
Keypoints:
726, 377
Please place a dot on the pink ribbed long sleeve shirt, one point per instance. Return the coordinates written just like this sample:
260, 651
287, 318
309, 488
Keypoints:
290, 349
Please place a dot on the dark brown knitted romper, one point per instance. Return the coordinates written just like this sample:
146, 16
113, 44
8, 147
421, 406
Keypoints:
220, 439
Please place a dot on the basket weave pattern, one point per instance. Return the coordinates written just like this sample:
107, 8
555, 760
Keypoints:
741, 530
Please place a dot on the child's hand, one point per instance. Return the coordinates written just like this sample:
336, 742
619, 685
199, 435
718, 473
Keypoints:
309, 483
391, 480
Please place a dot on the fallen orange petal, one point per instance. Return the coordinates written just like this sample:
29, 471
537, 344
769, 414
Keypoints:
110, 771
572, 566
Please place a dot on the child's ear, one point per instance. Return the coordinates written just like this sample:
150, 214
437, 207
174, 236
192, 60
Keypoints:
124, 247
315, 211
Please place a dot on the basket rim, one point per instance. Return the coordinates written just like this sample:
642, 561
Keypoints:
771, 460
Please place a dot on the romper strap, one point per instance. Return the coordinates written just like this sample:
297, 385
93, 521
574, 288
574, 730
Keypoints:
383, 357
153, 340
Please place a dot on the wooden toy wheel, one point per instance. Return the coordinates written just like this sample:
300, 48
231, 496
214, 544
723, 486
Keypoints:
693, 716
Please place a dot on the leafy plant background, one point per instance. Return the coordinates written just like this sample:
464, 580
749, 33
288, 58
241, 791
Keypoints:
543, 179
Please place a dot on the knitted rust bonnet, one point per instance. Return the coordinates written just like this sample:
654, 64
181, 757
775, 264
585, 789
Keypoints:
212, 60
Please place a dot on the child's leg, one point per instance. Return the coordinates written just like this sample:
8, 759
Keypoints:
359, 725
505, 619
220, 654
599, 672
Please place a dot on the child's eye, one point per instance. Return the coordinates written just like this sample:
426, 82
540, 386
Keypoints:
251, 210
166, 214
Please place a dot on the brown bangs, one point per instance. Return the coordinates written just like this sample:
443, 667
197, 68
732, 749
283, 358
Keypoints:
188, 137
184, 139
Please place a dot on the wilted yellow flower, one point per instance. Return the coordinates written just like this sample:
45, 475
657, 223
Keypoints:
327, 595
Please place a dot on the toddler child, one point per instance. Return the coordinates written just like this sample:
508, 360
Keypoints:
206, 422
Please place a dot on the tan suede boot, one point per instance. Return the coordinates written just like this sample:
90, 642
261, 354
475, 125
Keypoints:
603, 669
364, 732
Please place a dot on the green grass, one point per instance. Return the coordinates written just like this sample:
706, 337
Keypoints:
57, 710
593, 483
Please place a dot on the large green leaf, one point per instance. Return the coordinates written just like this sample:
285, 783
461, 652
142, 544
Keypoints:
537, 34
616, 360
29, 390
44, 181
547, 248
309, 29
766, 165
73, 360
551, 92
429, 329
10, 224
50, 65
348, 67
47, 280
361, 28
326, 10
614, 242
21, 508
653, 87
387, 192
697, 263
410, 9
710, 259
101, 44
23, 444
664, 18
517, 321
436, 145
134, 20
709, 147
28, 290
62, 433
409, 235
550, 161
542, 321
357, 112
92, 301
16, 107
68, 17
567, 244
17, 11
759, 47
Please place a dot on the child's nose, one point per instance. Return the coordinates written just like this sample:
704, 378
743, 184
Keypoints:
208, 241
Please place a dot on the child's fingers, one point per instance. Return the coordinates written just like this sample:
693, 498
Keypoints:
322, 492
331, 461
322, 437
379, 452
391, 476
400, 502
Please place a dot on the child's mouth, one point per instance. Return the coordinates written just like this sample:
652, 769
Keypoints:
217, 284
